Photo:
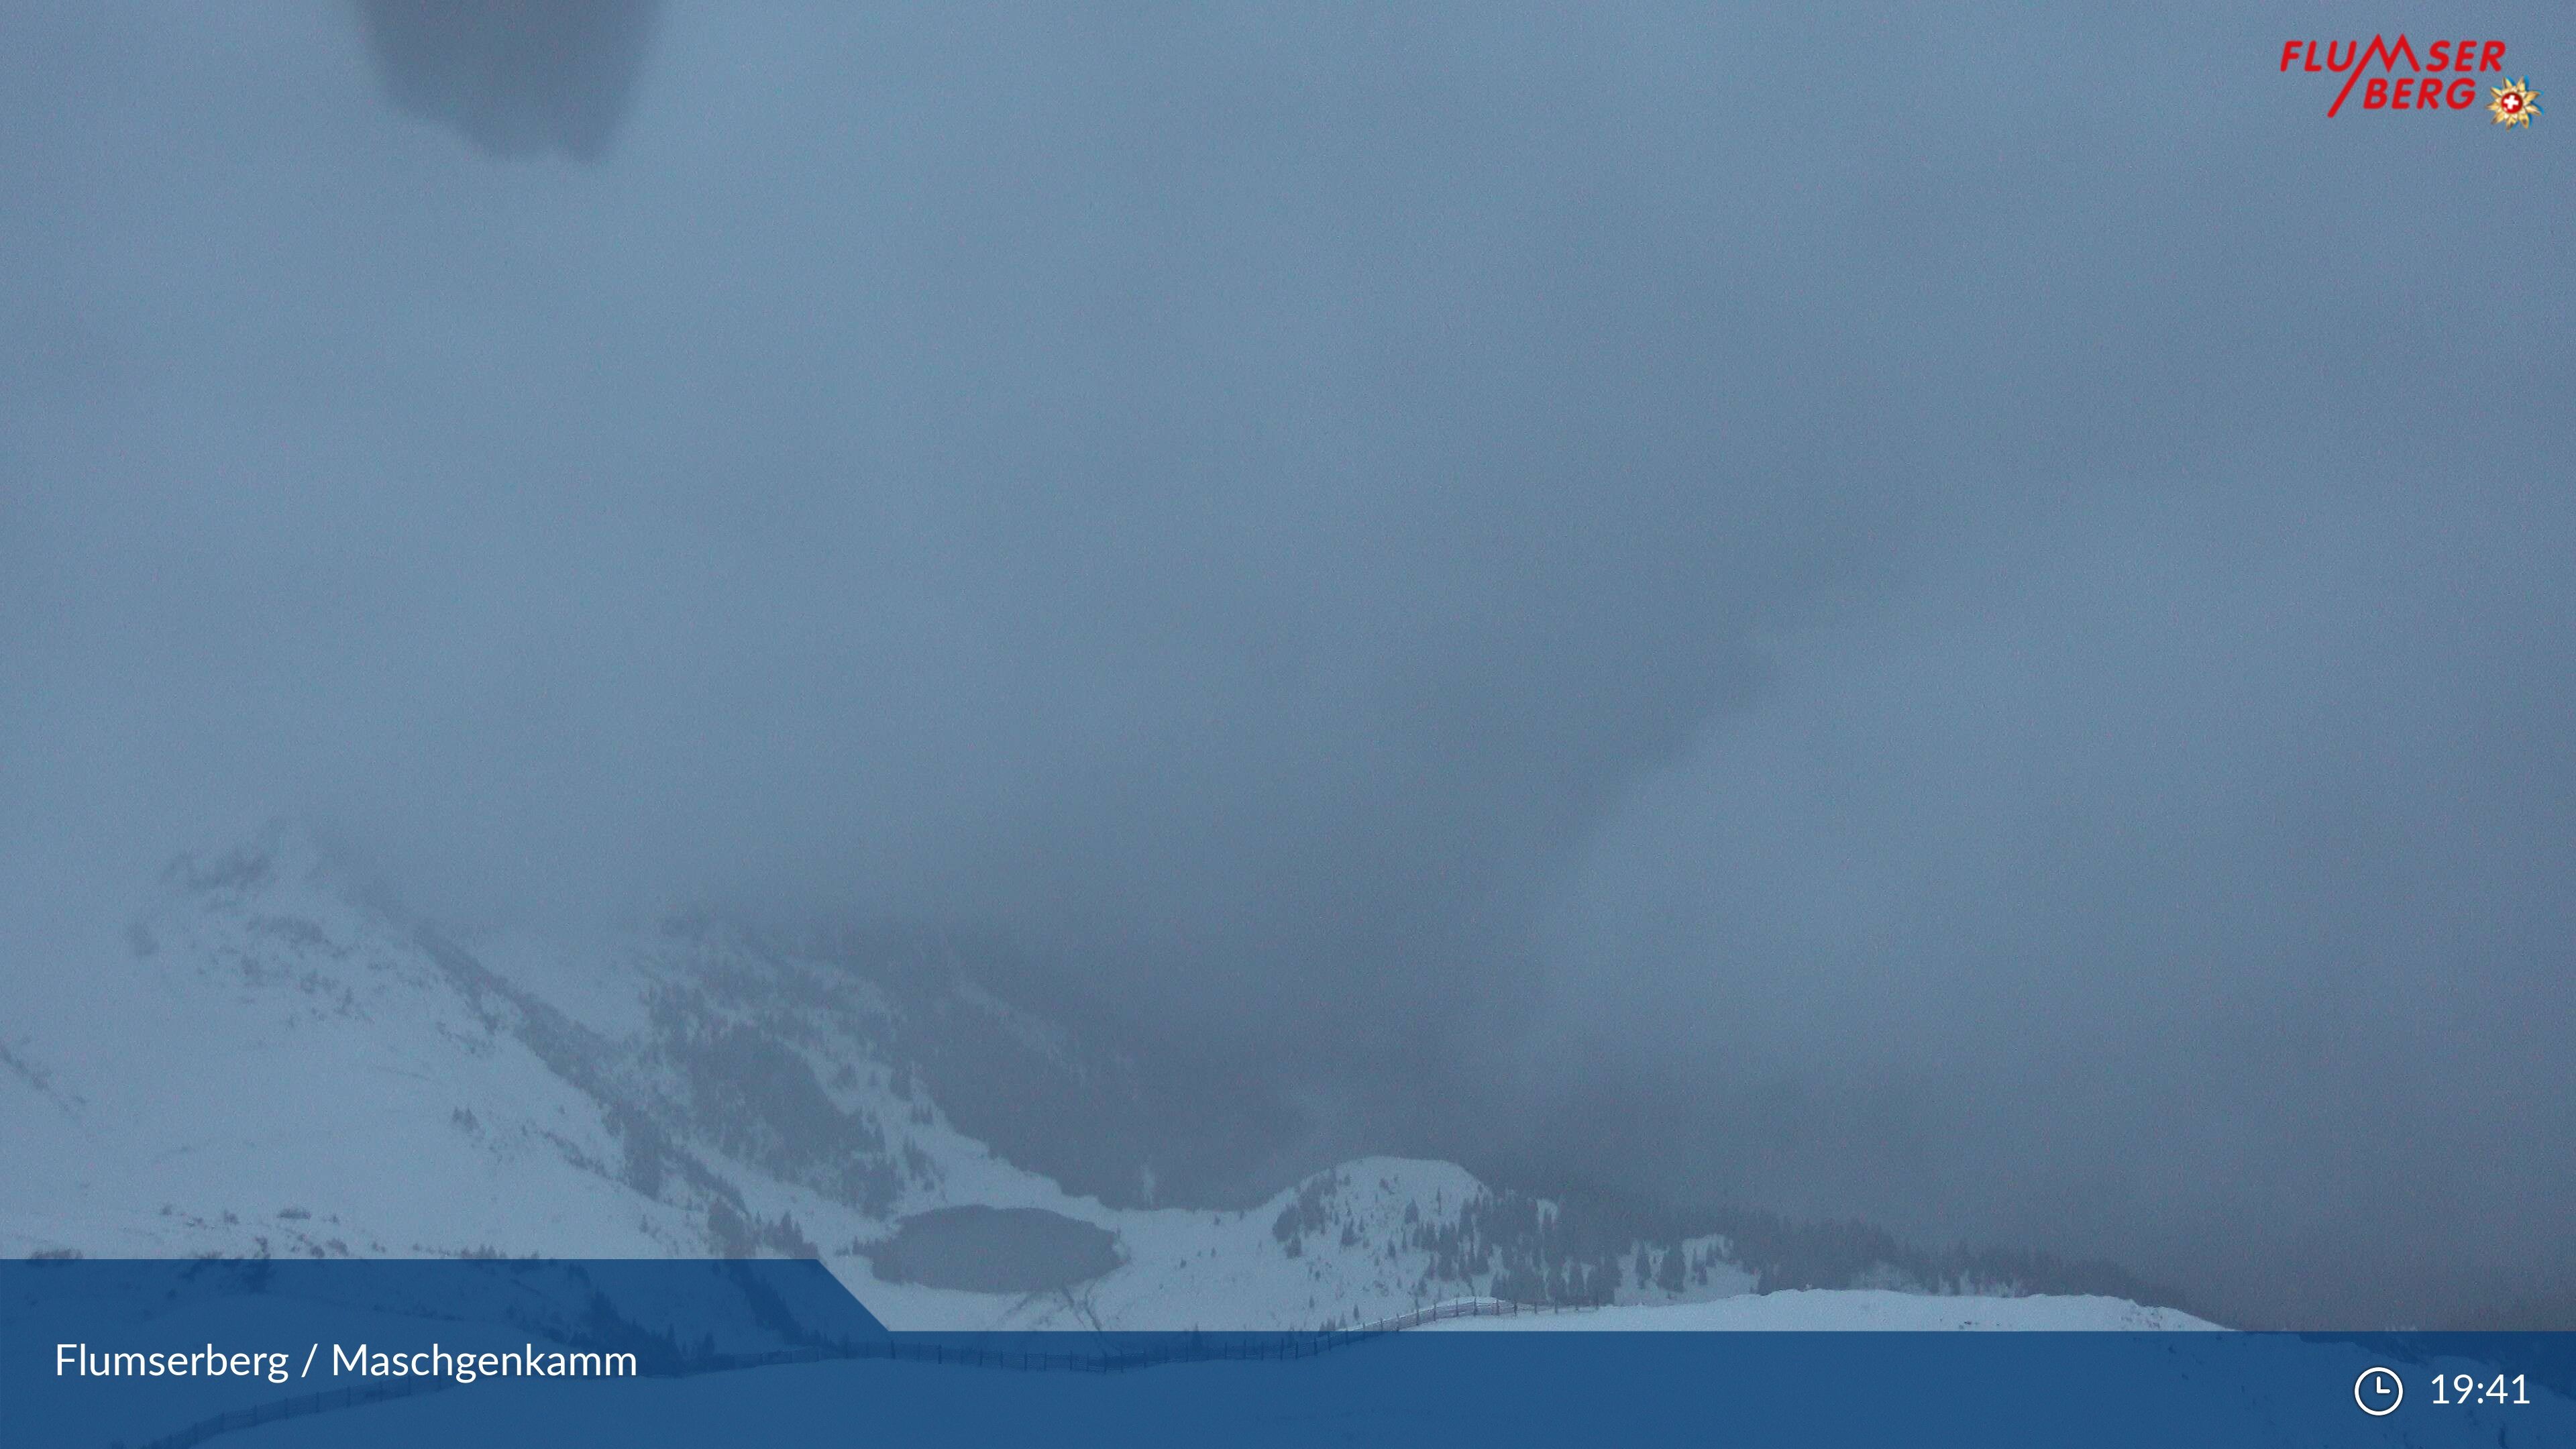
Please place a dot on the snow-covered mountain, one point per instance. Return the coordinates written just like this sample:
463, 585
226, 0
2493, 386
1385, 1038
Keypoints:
278, 1068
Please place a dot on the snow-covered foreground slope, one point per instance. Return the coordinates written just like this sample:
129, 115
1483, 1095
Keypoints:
274, 1068
1845, 1308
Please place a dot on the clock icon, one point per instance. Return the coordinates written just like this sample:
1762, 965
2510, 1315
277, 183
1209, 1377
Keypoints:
2378, 1391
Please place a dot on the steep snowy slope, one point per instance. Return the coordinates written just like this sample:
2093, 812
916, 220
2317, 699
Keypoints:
280, 1069
276, 1068
272, 1073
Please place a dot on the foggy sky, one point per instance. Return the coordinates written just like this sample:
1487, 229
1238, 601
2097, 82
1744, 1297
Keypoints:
1963, 623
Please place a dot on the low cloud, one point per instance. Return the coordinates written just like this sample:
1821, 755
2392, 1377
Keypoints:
1544, 598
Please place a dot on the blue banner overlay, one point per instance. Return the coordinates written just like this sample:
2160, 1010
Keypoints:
170, 1353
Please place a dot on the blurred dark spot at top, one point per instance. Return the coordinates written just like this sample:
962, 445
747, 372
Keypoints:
516, 77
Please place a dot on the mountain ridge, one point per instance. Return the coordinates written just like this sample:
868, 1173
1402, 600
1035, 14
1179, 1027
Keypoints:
281, 1068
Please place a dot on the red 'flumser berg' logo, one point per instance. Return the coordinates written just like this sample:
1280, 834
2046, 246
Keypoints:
2443, 78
